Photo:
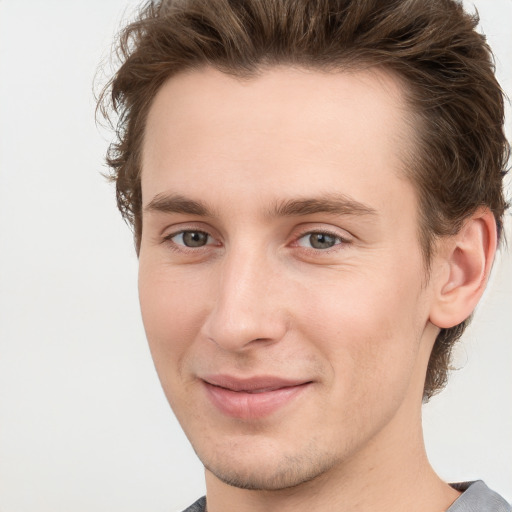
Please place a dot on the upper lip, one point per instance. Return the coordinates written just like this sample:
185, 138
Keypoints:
256, 383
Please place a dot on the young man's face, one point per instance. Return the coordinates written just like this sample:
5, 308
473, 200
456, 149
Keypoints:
282, 284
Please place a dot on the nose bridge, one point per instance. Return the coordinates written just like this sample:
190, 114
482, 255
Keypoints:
246, 308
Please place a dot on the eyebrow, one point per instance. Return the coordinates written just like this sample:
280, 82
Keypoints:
175, 203
335, 204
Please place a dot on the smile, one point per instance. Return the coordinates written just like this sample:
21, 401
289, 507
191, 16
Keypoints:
251, 399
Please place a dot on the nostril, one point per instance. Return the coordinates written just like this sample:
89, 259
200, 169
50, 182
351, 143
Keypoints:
239, 343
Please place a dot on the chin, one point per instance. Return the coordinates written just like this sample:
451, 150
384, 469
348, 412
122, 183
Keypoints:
272, 474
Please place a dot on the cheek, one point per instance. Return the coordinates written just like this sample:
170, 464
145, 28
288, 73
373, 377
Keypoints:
368, 329
171, 313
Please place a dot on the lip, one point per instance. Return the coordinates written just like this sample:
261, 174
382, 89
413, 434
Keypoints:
251, 398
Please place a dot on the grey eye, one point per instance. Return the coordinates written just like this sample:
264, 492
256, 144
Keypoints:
191, 238
319, 240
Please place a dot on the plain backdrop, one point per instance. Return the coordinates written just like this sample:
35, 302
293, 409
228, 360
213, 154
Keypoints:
84, 425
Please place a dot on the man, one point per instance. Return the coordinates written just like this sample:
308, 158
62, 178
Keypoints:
316, 194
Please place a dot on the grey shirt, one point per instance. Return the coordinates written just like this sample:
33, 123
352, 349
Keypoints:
475, 497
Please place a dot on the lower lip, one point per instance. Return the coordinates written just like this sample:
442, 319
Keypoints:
249, 406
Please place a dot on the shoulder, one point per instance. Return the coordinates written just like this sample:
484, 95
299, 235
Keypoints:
477, 497
198, 506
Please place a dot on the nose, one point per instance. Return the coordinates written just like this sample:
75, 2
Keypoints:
248, 307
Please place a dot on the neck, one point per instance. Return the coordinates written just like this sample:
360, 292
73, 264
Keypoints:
391, 474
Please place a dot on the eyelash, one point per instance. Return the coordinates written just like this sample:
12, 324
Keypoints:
340, 241
181, 247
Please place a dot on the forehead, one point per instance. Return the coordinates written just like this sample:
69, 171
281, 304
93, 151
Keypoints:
284, 130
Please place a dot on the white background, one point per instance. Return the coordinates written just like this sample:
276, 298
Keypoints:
84, 425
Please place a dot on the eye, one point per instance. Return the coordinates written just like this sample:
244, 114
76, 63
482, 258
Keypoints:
319, 240
190, 238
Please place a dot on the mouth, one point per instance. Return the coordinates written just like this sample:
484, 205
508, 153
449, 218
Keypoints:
252, 398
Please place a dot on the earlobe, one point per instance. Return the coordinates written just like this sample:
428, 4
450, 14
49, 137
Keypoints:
466, 262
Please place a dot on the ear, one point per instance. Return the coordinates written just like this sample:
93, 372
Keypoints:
464, 263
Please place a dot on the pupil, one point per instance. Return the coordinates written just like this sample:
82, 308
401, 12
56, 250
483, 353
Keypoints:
321, 241
194, 238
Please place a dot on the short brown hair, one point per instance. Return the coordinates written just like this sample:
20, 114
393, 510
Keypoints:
431, 46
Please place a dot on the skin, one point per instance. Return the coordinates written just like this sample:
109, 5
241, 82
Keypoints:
257, 295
